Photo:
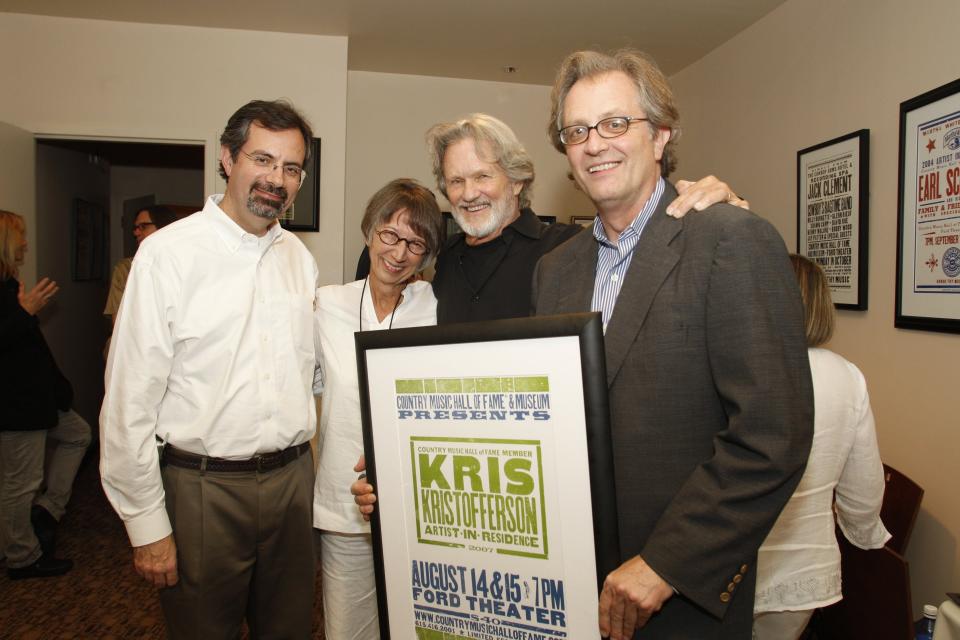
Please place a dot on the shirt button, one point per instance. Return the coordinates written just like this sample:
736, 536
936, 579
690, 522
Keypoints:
475, 299
614, 277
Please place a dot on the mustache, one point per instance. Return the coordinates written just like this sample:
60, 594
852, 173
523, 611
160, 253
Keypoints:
269, 188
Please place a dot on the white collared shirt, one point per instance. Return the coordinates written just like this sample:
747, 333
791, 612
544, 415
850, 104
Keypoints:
213, 352
341, 436
798, 566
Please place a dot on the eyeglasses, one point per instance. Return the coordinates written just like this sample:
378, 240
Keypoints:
416, 247
268, 162
606, 128
141, 226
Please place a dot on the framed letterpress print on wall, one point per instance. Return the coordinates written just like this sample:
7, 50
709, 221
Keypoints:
928, 224
304, 213
832, 213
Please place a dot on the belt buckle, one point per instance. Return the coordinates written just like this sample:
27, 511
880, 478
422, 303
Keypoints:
259, 459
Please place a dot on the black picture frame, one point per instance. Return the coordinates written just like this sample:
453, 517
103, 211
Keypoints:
588, 330
88, 241
928, 271
304, 213
833, 198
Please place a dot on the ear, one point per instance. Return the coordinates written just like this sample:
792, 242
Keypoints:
660, 140
226, 160
517, 188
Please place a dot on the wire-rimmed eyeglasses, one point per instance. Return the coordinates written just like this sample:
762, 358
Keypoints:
266, 161
606, 128
390, 237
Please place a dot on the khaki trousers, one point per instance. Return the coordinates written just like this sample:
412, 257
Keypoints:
244, 549
23, 453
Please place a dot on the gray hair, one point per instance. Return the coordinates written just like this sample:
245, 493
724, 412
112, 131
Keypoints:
507, 151
656, 97
423, 214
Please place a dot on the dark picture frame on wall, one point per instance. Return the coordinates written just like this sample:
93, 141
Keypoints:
928, 212
304, 213
88, 241
833, 195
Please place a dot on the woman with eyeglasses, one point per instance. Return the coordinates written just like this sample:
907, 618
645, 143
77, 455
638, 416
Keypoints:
404, 230
35, 400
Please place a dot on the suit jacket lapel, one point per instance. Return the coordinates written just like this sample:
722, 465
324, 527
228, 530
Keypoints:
577, 275
653, 260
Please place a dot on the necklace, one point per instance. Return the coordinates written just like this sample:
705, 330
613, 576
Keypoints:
360, 312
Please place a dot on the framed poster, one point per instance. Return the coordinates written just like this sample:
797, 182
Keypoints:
833, 196
88, 241
928, 221
488, 445
304, 213
583, 221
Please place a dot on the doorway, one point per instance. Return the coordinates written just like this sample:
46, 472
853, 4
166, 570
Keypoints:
82, 187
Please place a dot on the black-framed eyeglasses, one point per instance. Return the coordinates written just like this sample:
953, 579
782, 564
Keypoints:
606, 128
266, 161
141, 226
416, 247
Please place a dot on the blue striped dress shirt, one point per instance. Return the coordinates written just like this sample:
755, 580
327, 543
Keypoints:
613, 260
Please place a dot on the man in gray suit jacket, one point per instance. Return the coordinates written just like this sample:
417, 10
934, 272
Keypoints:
710, 395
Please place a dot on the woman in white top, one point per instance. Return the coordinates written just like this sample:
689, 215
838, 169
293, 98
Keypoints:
798, 568
403, 228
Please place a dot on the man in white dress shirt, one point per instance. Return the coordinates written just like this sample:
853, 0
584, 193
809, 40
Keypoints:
213, 355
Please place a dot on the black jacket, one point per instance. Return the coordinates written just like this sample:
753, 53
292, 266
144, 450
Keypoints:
32, 388
492, 281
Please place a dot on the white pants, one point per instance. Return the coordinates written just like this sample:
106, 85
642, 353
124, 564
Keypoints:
349, 587
780, 625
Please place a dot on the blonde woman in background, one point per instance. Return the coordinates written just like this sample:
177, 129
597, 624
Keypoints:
798, 567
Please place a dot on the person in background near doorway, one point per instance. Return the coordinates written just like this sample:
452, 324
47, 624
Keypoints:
147, 221
35, 401
798, 567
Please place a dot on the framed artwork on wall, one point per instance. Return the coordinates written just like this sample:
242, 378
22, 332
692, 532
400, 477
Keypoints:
304, 213
833, 196
88, 241
928, 221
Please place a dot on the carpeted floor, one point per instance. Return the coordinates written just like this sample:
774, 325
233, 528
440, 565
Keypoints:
101, 597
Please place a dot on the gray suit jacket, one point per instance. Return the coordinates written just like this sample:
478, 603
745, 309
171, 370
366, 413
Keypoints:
710, 399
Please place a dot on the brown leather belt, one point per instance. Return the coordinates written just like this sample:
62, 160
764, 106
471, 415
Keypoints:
262, 462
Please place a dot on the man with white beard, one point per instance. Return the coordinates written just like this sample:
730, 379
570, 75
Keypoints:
485, 272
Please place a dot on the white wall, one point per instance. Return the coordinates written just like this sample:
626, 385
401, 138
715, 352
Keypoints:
388, 115
17, 189
97, 78
808, 72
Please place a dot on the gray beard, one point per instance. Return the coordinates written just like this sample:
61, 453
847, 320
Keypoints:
479, 228
263, 209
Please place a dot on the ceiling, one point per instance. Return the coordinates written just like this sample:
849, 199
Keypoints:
454, 38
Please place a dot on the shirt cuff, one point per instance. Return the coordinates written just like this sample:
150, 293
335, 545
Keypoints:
148, 528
